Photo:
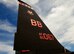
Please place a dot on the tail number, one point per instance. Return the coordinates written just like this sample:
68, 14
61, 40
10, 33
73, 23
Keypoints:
36, 23
45, 36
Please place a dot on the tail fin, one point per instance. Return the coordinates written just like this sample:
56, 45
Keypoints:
32, 33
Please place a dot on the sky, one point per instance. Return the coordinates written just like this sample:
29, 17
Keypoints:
58, 15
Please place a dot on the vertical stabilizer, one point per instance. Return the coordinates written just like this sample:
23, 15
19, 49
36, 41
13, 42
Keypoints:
32, 33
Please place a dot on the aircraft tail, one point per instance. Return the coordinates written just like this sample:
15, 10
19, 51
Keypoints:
32, 34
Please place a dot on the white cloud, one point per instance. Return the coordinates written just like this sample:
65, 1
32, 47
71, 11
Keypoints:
6, 26
63, 2
31, 1
10, 4
43, 7
68, 36
61, 21
6, 48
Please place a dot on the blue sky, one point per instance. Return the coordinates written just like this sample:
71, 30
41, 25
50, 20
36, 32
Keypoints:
58, 15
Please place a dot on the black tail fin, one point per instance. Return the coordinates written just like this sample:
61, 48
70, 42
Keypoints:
32, 33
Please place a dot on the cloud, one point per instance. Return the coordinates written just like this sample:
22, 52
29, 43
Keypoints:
6, 37
6, 26
60, 21
43, 7
10, 4
7, 31
6, 48
32, 2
